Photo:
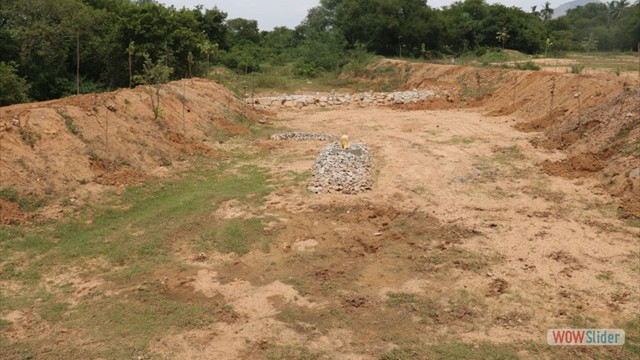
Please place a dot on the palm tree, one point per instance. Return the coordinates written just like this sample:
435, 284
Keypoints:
547, 12
534, 11
614, 9
502, 36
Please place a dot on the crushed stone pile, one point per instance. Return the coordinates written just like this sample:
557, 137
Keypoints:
342, 99
342, 171
303, 136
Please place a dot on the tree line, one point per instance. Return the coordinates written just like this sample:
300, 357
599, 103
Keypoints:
55, 48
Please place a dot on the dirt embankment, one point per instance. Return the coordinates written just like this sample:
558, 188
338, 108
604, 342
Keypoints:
52, 149
595, 119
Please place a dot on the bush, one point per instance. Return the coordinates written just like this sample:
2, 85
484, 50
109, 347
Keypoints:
529, 65
577, 68
13, 88
305, 70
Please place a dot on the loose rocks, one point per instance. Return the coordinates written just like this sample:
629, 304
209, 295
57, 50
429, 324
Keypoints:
344, 171
303, 136
338, 99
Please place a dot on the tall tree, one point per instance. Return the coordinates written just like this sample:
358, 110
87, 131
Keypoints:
546, 13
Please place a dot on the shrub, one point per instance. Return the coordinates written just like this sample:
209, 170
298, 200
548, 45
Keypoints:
529, 65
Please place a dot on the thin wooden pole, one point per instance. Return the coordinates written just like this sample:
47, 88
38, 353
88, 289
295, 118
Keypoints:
106, 143
78, 63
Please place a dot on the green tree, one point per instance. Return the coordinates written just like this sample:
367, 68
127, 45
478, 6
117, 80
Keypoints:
13, 88
503, 36
208, 49
546, 13
241, 31
154, 74
47, 32
589, 43
280, 45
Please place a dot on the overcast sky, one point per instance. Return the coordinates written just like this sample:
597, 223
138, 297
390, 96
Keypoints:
290, 13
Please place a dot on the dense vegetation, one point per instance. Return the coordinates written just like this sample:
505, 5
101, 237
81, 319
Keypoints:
55, 48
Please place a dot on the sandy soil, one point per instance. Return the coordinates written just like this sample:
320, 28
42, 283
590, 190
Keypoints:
543, 245
491, 216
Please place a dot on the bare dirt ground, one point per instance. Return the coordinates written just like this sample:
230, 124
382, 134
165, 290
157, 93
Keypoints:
460, 221
468, 245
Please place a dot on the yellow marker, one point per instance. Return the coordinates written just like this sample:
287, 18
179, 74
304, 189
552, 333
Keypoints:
344, 142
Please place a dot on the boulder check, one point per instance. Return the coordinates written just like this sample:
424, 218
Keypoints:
339, 170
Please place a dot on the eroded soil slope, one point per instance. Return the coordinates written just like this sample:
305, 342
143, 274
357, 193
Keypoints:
58, 148
595, 119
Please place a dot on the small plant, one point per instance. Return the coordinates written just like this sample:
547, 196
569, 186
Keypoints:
577, 68
29, 137
27, 202
68, 121
605, 276
529, 65
552, 90
127, 102
153, 76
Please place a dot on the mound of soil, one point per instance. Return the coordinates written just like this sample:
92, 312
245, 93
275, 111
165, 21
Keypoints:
594, 118
55, 147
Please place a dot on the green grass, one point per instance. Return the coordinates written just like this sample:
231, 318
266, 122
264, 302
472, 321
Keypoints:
474, 87
529, 65
53, 312
29, 137
135, 321
27, 202
505, 155
159, 211
635, 222
452, 351
235, 236
68, 121
427, 309
466, 351
130, 237
290, 352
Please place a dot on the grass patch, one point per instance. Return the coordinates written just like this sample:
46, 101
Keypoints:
461, 140
505, 155
635, 222
126, 240
577, 68
460, 306
138, 229
289, 352
605, 276
130, 324
29, 137
426, 309
439, 260
452, 351
467, 351
54, 312
27, 202
235, 236
529, 65
68, 121
474, 88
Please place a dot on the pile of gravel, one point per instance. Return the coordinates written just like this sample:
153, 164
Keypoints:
343, 171
303, 136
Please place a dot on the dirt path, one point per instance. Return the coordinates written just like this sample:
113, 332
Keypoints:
462, 239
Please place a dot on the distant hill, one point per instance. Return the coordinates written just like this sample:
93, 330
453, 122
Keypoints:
562, 9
